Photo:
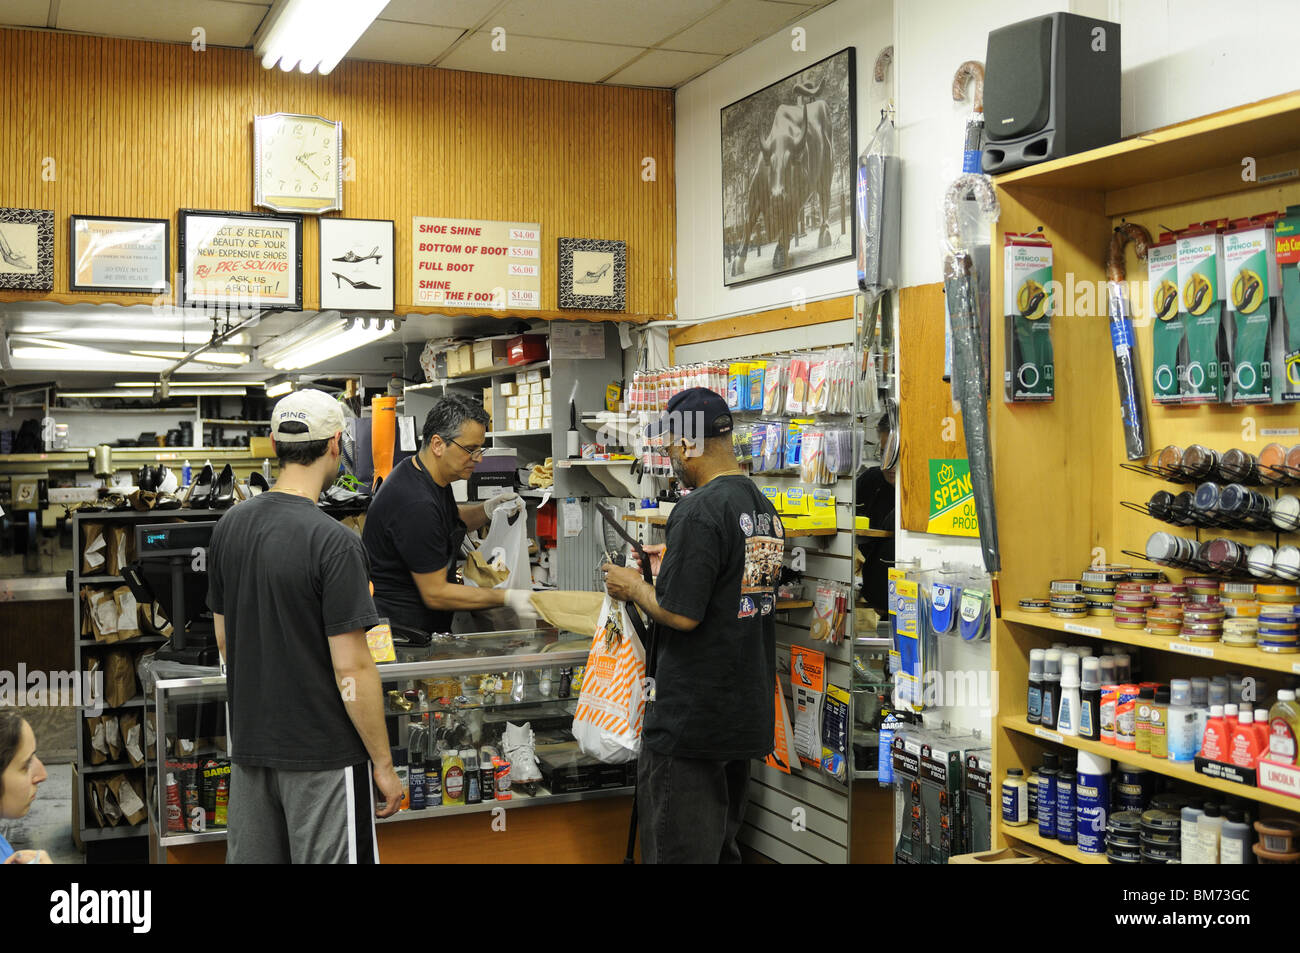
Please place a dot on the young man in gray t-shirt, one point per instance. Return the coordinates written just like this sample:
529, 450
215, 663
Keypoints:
290, 596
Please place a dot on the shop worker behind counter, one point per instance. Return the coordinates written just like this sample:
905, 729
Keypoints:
712, 708
414, 527
289, 592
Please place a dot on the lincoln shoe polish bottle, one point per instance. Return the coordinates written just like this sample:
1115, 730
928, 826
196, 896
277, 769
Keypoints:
415, 768
1067, 718
1051, 687
1090, 700
1034, 707
1047, 794
1065, 815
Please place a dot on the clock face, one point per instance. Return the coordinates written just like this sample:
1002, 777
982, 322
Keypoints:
297, 163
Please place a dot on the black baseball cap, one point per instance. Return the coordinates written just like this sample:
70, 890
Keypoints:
693, 413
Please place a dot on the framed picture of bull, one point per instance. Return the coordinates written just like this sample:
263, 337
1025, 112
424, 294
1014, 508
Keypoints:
787, 173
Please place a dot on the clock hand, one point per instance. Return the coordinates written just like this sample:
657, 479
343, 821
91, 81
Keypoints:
307, 167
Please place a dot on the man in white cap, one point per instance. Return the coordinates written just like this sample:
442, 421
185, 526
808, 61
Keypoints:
290, 595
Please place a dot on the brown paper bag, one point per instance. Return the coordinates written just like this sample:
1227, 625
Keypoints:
108, 804
128, 613
118, 544
480, 572
94, 554
98, 744
576, 612
150, 736
128, 798
102, 611
132, 738
92, 800
119, 679
113, 736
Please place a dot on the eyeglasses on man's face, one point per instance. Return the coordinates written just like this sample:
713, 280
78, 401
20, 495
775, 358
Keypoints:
475, 454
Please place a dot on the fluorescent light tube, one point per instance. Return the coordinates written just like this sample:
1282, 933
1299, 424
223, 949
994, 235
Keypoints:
314, 34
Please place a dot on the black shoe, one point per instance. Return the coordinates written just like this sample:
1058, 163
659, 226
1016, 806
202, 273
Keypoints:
257, 483
200, 497
223, 491
144, 479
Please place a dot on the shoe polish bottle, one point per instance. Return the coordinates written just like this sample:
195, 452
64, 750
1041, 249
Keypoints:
1051, 687
1090, 699
1066, 818
1034, 705
473, 780
1067, 716
1047, 794
415, 768
187, 473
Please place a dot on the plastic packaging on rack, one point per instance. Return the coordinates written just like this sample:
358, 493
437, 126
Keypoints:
1132, 406
796, 399
774, 386
879, 211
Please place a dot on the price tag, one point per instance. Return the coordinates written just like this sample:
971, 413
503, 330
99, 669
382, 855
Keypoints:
1082, 629
1049, 735
1187, 648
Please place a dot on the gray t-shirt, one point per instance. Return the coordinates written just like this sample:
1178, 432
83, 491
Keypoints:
287, 577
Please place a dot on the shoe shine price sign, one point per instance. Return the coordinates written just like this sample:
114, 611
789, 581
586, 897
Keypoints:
462, 263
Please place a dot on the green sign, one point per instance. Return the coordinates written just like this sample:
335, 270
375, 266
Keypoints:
952, 504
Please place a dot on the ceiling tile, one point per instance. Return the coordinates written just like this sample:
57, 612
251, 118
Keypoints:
666, 69
411, 43
460, 13
226, 24
542, 58
734, 27
626, 22
24, 12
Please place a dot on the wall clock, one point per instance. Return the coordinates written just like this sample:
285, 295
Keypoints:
297, 163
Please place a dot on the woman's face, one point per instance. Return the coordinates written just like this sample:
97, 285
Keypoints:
22, 776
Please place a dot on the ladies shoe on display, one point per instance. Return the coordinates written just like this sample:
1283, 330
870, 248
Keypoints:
351, 256
164, 480
144, 479
359, 285
257, 484
200, 495
517, 744
223, 490
11, 257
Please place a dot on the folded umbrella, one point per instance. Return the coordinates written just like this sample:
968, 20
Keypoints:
1132, 408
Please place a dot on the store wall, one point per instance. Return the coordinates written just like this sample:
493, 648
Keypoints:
119, 127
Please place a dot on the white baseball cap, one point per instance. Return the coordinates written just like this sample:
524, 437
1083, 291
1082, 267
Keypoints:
307, 415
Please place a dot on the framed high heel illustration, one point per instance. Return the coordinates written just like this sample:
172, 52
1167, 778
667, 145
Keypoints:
593, 274
356, 264
26, 249
247, 259
126, 255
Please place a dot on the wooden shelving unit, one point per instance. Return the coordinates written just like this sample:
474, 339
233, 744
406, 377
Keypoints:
1029, 835
1057, 466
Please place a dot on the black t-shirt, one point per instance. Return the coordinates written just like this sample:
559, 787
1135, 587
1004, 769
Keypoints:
715, 685
412, 525
287, 577
875, 497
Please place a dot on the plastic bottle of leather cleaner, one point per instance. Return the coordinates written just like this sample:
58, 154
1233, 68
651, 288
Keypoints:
1214, 746
1090, 699
1142, 720
1260, 725
1015, 798
1092, 802
1191, 837
1182, 734
1284, 726
1159, 723
1047, 794
453, 778
1209, 829
1234, 839
1245, 748
1067, 715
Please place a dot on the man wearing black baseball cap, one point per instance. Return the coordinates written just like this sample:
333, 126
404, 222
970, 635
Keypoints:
711, 710
290, 595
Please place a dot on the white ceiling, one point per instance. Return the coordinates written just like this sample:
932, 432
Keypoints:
662, 43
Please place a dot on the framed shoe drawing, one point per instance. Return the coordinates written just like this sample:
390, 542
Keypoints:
357, 272
593, 274
26, 249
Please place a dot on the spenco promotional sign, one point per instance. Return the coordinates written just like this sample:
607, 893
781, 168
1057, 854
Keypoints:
952, 504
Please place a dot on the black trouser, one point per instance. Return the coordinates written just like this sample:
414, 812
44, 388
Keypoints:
690, 809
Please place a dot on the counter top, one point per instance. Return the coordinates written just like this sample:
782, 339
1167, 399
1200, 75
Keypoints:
33, 588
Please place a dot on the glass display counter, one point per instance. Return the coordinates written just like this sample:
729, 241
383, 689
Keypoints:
447, 707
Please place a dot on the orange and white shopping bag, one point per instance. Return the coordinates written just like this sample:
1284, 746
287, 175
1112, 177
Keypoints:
611, 708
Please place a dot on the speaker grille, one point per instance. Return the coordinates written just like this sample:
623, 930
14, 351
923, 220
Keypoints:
1018, 80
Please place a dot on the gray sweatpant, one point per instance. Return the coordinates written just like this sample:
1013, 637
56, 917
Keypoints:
277, 816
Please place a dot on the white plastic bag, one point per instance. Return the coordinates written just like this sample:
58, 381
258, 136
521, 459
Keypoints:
507, 542
611, 708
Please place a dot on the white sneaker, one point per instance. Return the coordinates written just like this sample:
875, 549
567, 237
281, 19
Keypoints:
517, 745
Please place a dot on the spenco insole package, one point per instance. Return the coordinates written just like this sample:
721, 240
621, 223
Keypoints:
1028, 306
1168, 330
1251, 263
1201, 285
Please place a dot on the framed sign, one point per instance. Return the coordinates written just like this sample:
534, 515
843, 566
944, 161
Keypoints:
356, 264
27, 249
127, 255
593, 274
788, 173
243, 258
463, 263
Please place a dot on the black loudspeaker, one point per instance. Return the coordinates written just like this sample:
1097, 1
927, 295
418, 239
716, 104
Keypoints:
1051, 89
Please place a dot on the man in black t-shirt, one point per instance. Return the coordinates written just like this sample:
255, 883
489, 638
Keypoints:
414, 527
711, 709
290, 599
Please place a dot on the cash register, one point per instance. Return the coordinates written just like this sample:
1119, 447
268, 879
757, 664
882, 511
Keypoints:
171, 568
